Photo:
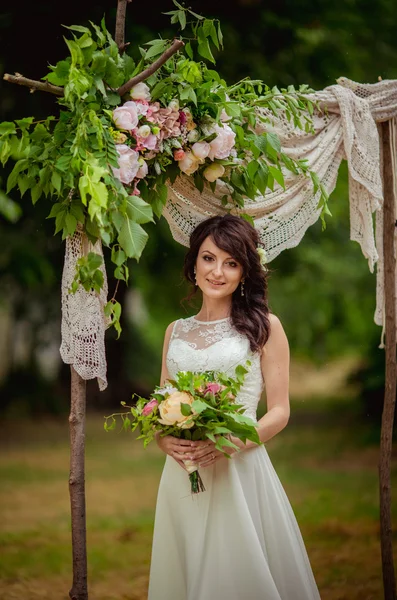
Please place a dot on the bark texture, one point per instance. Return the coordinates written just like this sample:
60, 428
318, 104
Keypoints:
79, 589
389, 224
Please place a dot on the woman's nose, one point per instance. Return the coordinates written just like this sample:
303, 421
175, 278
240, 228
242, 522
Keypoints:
218, 270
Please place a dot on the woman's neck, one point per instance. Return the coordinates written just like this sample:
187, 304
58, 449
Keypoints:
214, 309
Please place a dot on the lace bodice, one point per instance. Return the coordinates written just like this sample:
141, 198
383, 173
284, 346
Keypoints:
216, 346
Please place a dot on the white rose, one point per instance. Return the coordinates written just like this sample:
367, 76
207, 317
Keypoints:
201, 150
144, 131
214, 171
222, 145
128, 164
140, 91
193, 136
143, 169
189, 164
174, 104
170, 410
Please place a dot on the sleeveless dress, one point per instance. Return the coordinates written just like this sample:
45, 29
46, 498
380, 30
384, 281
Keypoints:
238, 540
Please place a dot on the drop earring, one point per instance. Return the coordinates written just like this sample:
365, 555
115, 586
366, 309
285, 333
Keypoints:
242, 287
195, 276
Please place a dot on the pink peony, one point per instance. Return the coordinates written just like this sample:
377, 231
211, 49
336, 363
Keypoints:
213, 388
222, 145
201, 150
126, 117
150, 407
179, 154
128, 164
189, 164
141, 108
140, 91
150, 142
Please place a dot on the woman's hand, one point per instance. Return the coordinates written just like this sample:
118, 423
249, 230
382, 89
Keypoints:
178, 449
205, 453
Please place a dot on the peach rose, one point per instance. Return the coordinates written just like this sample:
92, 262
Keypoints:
170, 410
212, 172
201, 150
189, 164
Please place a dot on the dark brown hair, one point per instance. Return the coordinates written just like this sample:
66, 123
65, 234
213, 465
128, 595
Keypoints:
234, 235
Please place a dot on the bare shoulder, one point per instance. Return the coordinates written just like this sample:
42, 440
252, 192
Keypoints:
168, 331
277, 337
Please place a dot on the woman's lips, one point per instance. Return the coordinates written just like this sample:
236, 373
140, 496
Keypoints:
217, 283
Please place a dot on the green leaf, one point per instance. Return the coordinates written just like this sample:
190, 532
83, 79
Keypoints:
78, 28
182, 19
36, 192
118, 256
220, 35
70, 223
204, 50
189, 50
156, 49
186, 409
132, 238
199, 406
278, 175
56, 181
94, 260
138, 210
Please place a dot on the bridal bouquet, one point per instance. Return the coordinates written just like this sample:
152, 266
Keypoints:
193, 406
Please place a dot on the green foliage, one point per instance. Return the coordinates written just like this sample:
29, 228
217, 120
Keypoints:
212, 413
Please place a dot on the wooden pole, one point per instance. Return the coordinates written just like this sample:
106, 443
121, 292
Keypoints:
389, 224
79, 589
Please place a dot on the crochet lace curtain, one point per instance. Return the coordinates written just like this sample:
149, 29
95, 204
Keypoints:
347, 128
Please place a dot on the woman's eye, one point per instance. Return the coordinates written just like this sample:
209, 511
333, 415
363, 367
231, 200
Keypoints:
207, 258
233, 264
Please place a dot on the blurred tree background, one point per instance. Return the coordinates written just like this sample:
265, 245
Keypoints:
322, 290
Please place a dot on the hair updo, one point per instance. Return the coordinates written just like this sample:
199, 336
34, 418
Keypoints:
234, 235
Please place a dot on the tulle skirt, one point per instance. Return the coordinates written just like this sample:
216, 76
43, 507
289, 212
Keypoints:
238, 540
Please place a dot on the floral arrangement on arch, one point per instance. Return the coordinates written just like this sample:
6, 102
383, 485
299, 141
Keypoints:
128, 127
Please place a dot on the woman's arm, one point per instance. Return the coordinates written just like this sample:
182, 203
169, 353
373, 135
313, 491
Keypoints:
275, 370
177, 448
164, 371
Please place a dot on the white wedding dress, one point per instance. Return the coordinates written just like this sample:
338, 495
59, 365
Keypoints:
238, 540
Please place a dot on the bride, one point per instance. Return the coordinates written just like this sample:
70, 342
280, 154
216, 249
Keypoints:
238, 540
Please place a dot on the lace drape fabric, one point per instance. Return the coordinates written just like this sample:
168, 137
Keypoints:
346, 129
83, 320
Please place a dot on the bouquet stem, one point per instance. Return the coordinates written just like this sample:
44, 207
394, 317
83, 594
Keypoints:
196, 483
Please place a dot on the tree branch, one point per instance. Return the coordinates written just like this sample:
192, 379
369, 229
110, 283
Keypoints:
43, 86
176, 45
120, 24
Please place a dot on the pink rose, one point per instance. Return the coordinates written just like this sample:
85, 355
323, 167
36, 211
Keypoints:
179, 154
189, 164
128, 164
201, 150
150, 407
222, 145
143, 170
213, 388
140, 91
126, 117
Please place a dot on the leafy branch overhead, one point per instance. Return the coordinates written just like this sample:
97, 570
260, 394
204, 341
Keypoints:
105, 163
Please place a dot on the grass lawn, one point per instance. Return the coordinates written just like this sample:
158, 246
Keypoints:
325, 460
